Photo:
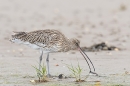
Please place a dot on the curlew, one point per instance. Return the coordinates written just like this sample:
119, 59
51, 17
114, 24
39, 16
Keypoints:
50, 41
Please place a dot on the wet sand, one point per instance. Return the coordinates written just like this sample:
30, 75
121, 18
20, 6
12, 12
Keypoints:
89, 21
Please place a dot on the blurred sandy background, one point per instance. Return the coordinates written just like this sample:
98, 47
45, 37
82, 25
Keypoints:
91, 21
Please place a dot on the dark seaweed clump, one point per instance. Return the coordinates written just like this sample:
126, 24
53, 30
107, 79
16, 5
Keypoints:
100, 47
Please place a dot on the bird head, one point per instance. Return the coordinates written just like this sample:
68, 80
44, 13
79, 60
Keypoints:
74, 44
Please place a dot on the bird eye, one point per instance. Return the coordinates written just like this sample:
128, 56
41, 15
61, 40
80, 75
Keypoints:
76, 44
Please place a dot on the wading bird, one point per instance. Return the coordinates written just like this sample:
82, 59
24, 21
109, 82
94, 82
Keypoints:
49, 41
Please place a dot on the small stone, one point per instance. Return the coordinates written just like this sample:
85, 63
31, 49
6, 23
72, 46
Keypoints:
56, 65
60, 76
122, 7
112, 48
109, 48
126, 72
33, 81
105, 48
116, 49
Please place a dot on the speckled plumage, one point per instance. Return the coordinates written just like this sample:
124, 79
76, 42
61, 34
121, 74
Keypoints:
48, 40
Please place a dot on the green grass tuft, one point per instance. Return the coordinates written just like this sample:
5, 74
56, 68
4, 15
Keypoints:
76, 72
42, 72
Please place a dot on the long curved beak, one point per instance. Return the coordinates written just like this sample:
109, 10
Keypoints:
85, 55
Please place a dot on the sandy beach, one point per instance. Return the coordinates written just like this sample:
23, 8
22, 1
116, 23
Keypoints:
90, 21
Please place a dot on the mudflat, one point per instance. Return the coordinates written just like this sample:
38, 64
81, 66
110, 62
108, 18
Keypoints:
89, 21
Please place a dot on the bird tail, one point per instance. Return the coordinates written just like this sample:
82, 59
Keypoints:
19, 34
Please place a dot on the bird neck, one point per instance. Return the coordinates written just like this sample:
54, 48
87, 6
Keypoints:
71, 44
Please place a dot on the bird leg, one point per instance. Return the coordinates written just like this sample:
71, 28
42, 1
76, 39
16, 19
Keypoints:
47, 61
40, 59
